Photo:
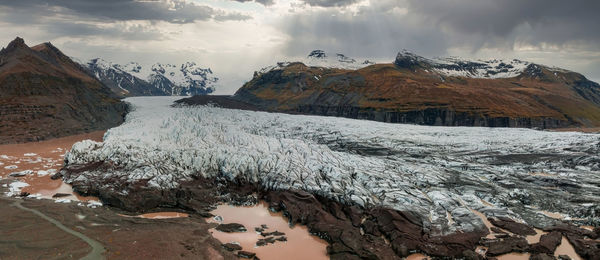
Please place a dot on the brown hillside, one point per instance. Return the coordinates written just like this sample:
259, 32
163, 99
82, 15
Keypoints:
539, 97
44, 94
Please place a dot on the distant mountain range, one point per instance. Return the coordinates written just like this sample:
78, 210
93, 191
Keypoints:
438, 91
45, 94
133, 79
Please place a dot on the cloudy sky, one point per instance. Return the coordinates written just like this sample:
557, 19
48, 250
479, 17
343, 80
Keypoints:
237, 37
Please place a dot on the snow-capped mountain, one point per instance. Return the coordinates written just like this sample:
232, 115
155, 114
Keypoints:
320, 58
445, 66
120, 81
134, 79
455, 66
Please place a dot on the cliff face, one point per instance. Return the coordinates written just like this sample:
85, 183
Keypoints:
416, 90
44, 94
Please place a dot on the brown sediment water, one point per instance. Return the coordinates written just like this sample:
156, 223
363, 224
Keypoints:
417, 256
535, 238
590, 228
486, 222
164, 215
552, 214
514, 256
565, 248
42, 159
300, 243
158, 215
487, 203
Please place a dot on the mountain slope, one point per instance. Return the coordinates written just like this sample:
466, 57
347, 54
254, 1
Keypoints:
133, 79
449, 92
44, 94
120, 81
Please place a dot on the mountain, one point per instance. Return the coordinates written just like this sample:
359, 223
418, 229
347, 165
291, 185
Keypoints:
441, 91
133, 79
45, 94
120, 81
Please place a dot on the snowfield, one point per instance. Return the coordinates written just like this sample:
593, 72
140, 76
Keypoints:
434, 171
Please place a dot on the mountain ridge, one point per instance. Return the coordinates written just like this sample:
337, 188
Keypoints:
133, 79
413, 89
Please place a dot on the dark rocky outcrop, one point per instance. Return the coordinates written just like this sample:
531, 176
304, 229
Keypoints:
506, 245
231, 228
44, 94
232, 247
512, 226
246, 254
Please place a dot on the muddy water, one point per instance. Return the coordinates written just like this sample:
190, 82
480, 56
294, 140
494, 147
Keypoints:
486, 222
164, 215
514, 256
42, 159
300, 244
553, 214
535, 238
565, 248
417, 257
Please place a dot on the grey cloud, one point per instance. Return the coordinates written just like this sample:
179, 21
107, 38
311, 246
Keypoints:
173, 11
115, 31
535, 21
370, 34
329, 3
263, 2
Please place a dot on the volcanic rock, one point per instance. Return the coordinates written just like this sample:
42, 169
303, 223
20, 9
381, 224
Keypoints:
542, 257
265, 241
275, 233
232, 247
548, 243
246, 254
512, 226
506, 245
231, 228
60, 195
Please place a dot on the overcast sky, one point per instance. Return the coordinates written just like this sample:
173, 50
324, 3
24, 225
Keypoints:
237, 37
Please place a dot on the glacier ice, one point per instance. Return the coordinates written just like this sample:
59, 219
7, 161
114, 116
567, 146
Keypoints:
433, 171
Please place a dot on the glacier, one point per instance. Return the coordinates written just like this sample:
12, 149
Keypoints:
443, 174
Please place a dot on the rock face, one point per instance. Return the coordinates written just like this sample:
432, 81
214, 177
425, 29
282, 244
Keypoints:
443, 92
44, 94
133, 79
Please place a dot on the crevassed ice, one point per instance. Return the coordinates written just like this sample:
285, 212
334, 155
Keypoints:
431, 171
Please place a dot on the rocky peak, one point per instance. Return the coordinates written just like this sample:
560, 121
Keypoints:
17, 43
407, 59
51, 52
319, 54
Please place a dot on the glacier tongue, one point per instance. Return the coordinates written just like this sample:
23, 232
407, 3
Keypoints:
433, 171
